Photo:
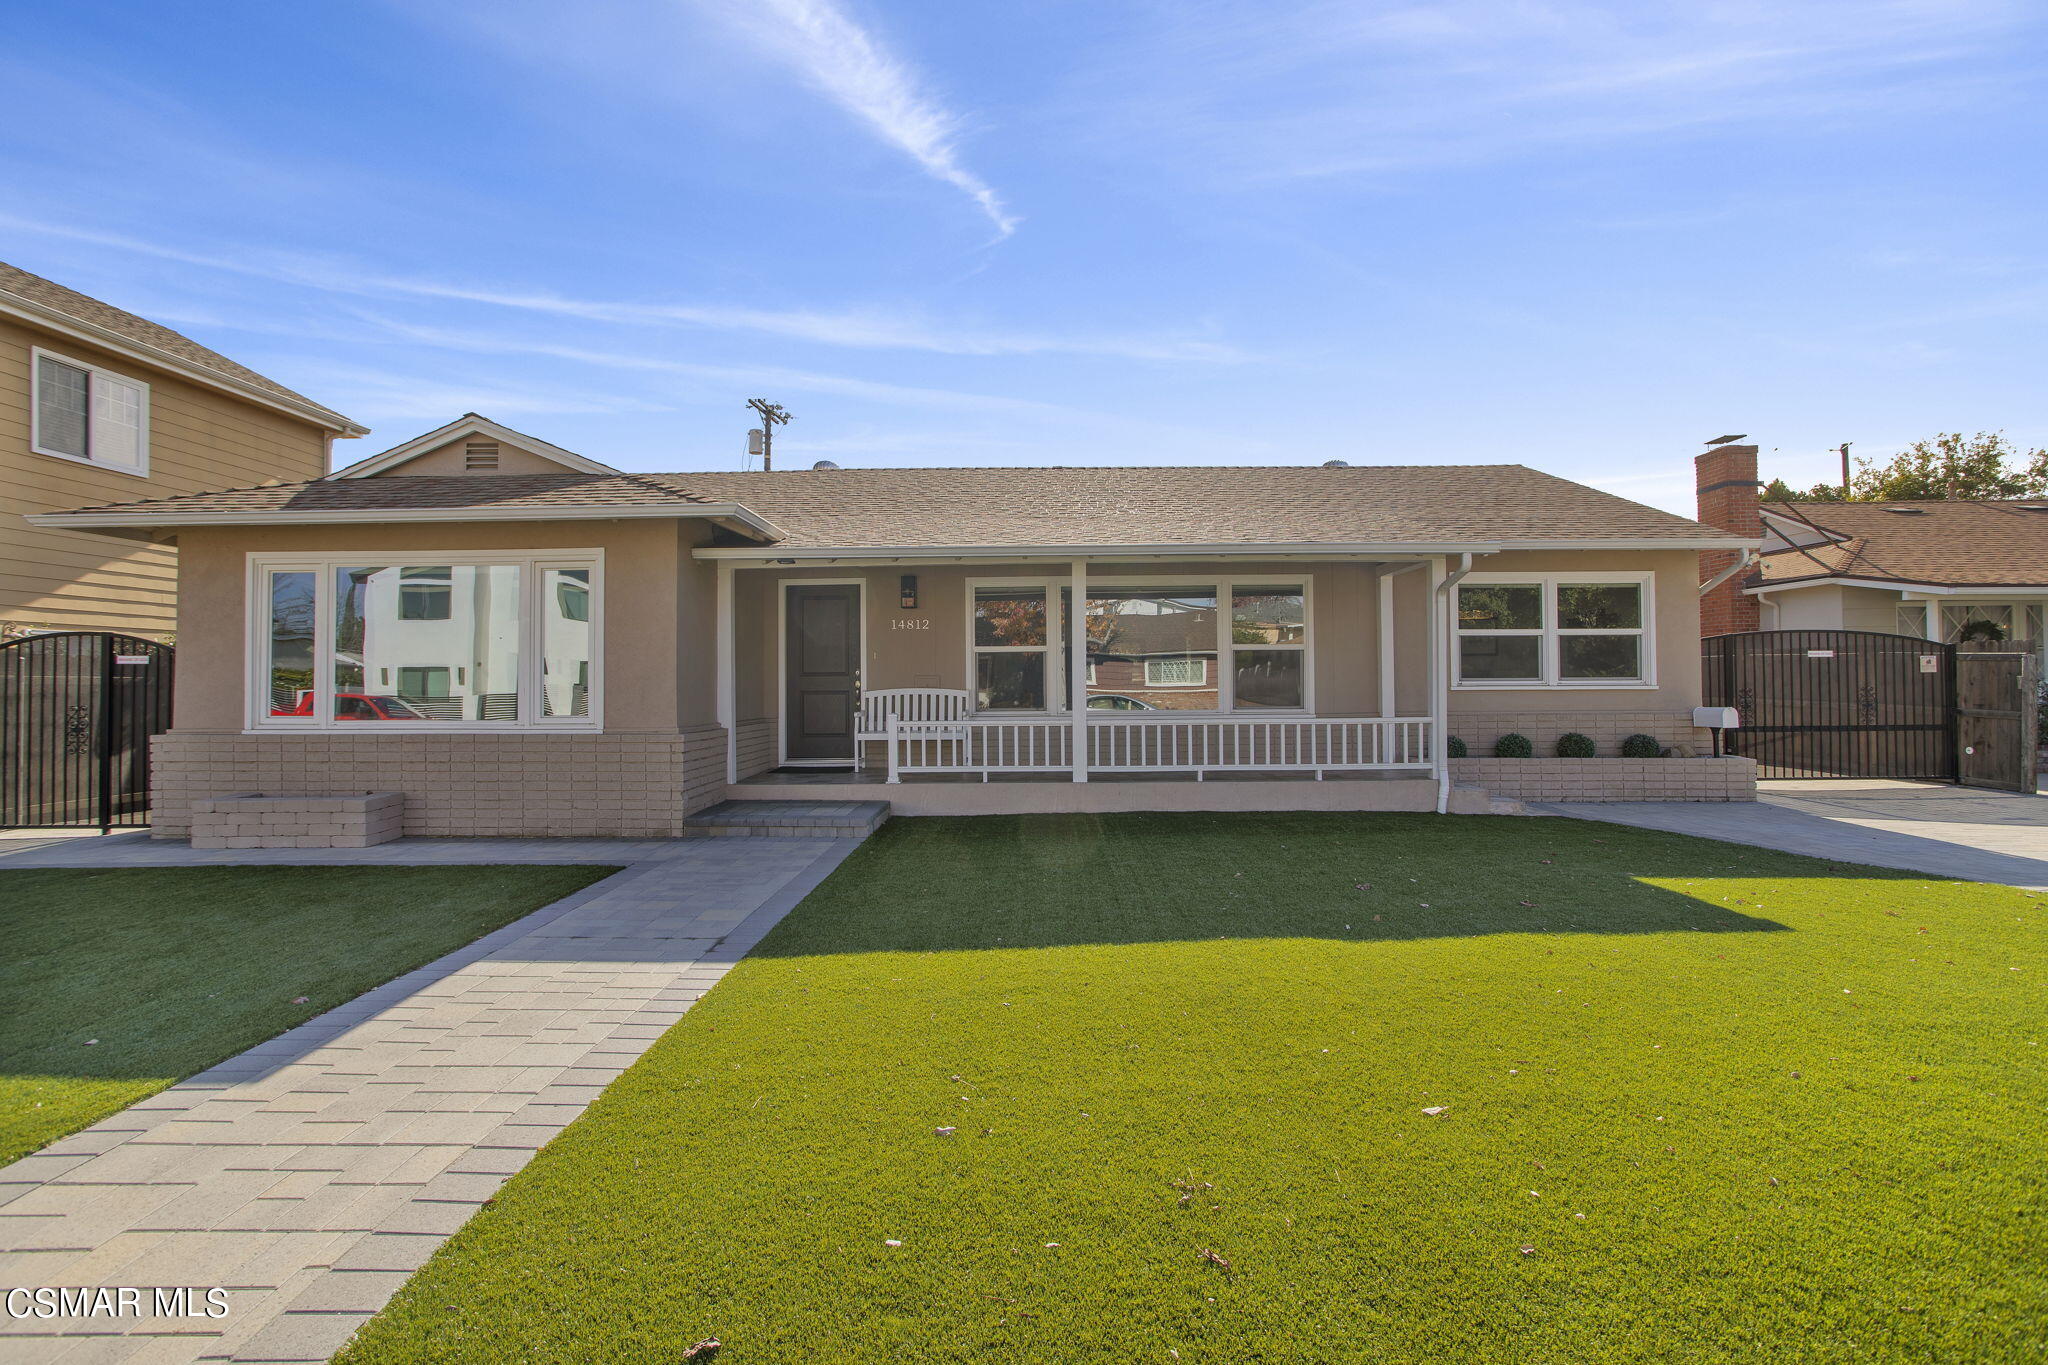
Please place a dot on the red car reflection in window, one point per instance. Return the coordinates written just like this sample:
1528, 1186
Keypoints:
355, 706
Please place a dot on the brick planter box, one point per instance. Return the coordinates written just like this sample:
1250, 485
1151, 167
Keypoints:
253, 820
1612, 779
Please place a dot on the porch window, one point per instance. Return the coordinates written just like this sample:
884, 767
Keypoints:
1269, 647
2019, 622
1554, 631
1010, 634
497, 642
1156, 642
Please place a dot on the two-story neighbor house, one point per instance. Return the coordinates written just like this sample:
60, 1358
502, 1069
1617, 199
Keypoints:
99, 405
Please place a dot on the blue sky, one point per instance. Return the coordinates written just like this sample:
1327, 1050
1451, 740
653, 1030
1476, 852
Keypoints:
1575, 235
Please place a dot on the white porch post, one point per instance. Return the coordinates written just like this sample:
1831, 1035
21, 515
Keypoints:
1439, 683
1387, 694
724, 663
1077, 668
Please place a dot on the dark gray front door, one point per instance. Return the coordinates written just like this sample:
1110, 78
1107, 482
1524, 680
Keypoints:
821, 673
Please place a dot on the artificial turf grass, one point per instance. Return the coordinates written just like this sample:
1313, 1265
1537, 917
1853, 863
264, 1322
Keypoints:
1799, 1128
168, 971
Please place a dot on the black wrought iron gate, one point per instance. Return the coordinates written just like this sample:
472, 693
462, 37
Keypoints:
1836, 703
77, 710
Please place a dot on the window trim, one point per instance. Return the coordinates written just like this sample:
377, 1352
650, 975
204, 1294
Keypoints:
37, 354
1226, 587
533, 566
1549, 634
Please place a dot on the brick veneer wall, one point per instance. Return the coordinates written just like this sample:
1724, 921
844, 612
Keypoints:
1611, 779
631, 784
1727, 491
755, 746
1607, 729
254, 820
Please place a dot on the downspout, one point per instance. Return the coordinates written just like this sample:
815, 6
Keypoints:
1748, 558
1440, 678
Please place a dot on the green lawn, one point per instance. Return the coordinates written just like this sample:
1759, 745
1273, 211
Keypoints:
115, 984
1702, 1103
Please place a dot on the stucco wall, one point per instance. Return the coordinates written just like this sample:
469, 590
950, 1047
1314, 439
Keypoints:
199, 438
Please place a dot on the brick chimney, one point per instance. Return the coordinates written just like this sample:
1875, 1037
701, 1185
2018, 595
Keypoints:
1726, 480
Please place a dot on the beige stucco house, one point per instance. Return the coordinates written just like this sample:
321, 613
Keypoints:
99, 405
521, 640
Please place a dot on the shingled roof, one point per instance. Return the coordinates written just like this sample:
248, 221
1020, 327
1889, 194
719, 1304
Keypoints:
999, 508
1937, 543
39, 297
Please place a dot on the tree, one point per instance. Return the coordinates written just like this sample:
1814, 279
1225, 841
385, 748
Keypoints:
1946, 467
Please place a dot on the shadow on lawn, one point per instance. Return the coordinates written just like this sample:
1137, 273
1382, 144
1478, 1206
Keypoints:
1043, 881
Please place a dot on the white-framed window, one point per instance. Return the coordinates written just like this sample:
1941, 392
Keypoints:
87, 413
1186, 670
377, 643
1159, 633
1587, 630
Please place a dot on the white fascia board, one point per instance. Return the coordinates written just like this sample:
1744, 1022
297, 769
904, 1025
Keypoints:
470, 426
730, 512
1014, 553
1907, 589
1234, 550
106, 340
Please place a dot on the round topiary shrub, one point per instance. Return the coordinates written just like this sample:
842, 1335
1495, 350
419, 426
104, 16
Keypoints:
1513, 746
1641, 746
1455, 747
1574, 745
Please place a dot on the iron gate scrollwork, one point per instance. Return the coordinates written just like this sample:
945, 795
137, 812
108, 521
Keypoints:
1836, 703
77, 711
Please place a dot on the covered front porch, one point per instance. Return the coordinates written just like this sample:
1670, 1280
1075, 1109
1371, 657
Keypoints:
1215, 683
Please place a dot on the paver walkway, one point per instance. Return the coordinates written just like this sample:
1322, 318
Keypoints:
1947, 831
311, 1174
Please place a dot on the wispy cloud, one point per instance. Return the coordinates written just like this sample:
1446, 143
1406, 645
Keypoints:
850, 66
1276, 89
862, 330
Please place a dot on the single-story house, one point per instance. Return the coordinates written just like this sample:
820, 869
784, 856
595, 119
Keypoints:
1923, 568
522, 640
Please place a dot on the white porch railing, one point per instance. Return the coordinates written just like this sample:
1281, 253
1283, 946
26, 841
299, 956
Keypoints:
1160, 743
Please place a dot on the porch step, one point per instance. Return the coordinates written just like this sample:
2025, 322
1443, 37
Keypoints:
788, 819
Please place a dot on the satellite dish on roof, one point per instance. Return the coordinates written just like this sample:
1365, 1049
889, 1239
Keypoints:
1336, 464
824, 464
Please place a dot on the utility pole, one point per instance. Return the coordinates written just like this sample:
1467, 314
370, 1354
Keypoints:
1845, 469
772, 416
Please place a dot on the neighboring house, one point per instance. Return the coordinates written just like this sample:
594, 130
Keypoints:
1924, 568
525, 641
98, 405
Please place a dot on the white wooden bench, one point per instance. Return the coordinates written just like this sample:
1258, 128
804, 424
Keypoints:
906, 703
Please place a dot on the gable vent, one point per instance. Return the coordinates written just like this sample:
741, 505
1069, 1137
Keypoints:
480, 455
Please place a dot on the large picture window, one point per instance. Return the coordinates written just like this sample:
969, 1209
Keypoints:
1554, 630
1205, 646
507, 640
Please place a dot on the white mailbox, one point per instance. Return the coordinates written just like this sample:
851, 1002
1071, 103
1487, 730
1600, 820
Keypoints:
1716, 718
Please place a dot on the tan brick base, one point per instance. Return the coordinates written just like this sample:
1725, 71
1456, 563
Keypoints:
257, 820
624, 784
1611, 779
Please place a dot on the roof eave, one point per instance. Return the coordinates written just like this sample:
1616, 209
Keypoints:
1232, 550
1907, 585
731, 515
107, 339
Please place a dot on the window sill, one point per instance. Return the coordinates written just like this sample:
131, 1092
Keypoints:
90, 463
1554, 687
419, 728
